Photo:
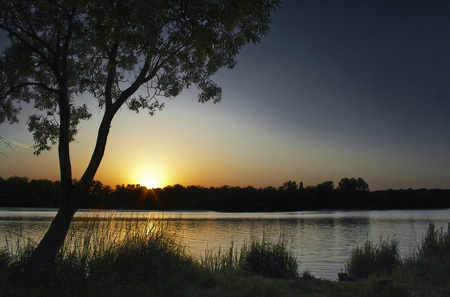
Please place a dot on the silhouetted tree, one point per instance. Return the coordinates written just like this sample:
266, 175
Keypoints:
22, 192
62, 48
353, 185
353, 192
98, 196
289, 186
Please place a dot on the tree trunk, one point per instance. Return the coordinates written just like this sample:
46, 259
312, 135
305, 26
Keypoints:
45, 253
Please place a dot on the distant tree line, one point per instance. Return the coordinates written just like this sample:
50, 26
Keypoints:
351, 193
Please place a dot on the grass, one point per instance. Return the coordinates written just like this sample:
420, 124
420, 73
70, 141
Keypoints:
124, 258
372, 258
257, 257
425, 273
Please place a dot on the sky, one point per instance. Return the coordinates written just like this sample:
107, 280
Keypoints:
338, 89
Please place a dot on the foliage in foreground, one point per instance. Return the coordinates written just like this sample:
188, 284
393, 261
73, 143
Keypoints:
98, 257
425, 273
372, 258
436, 243
124, 258
262, 258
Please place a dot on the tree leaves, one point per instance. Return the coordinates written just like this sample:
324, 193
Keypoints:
45, 132
63, 48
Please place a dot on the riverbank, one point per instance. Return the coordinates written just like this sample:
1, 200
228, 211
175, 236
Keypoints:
127, 260
430, 279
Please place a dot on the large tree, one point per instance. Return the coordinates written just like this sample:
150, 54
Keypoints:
61, 49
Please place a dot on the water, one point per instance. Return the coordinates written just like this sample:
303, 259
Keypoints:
322, 241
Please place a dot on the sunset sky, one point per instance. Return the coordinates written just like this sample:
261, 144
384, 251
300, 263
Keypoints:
338, 89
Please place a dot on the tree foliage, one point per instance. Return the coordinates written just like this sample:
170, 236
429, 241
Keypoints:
351, 185
110, 49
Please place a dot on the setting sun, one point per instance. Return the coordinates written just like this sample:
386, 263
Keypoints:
150, 183
150, 176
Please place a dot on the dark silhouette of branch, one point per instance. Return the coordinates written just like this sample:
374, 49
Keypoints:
8, 145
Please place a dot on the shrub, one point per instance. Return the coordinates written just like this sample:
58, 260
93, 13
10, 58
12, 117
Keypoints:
382, 258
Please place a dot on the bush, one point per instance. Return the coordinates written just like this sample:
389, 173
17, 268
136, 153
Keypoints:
382, 258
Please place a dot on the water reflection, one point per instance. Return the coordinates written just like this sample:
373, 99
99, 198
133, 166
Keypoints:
322, 241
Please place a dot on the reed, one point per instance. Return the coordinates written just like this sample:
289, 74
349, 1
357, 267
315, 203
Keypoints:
256, 257
436, 243
99, 255
424, 273
140, 257
269, 259
222, 260
372, 258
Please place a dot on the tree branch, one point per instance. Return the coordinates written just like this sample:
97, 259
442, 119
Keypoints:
112, 71
24, 41
140, 79
19, 86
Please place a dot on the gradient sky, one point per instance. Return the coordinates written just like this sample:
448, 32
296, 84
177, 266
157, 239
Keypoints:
338, 89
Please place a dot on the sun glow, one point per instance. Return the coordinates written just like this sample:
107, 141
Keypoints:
150, 176
150, 183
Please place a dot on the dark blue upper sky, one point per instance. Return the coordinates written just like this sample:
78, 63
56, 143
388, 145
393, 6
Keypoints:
370, 77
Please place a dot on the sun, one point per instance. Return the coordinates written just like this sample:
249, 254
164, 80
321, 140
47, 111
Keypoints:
151, 177
150, 183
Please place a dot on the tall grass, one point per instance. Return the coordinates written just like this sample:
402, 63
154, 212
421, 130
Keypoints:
384, 259
138, 257
425, 273
436, 243
372, 258
99, 255
257, 257
222, 260
269, 259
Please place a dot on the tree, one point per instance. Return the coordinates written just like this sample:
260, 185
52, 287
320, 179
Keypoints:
353, 185
60, 49
289, 186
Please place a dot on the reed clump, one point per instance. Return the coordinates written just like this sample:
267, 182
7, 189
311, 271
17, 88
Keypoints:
383, 259
424, 273
269, 259
372, 258
257, 257
436, 243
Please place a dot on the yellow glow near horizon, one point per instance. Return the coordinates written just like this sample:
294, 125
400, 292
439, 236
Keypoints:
149, 176
150, 183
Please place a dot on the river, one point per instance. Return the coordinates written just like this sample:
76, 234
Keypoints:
321, 240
